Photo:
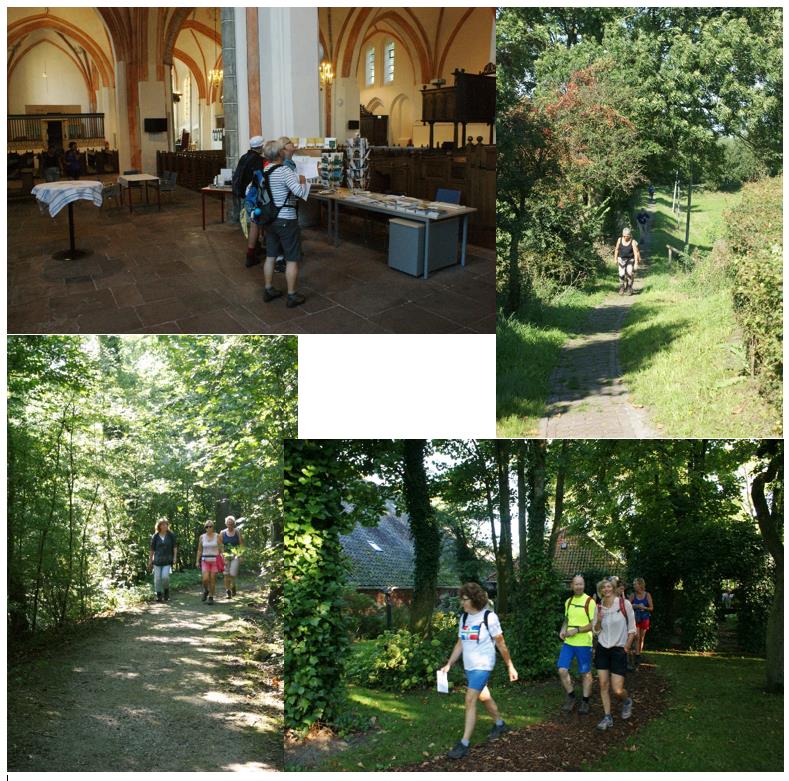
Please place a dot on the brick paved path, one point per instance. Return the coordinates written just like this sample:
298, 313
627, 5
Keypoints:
588, 397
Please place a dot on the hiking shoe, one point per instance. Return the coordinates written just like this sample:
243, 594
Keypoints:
627, 708
569, 703
606, 722
458, 751
229, 594
294, 299
210, 600
279, 265
158, 596
497, 730
205, 595
583, 708
252, 260
270, 293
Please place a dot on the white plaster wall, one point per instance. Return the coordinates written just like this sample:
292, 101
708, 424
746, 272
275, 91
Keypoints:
122, 102
64, 85
152, 105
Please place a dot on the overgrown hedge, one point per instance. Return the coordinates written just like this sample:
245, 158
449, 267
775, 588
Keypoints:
754, 235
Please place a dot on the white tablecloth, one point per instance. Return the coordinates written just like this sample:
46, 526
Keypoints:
126, 179
56, 195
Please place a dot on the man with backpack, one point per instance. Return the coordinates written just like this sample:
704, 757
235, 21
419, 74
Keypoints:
576, 632
250, 162
479, 634
272, 201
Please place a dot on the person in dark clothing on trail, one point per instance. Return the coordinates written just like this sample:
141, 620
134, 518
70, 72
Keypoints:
164, 553
627, 258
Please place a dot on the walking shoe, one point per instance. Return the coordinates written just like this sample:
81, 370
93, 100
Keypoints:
270, 293
497, 730
627, 708
294, 299
167, 595
229, 594
279, 264
621, 290
158, 596
210, 600
606, 722
458, 751
569, 703
252, 260
205, 594
583, 708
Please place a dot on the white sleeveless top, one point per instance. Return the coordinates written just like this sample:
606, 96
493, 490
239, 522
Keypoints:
210, 548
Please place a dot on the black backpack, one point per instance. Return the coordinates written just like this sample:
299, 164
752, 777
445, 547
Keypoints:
245, 172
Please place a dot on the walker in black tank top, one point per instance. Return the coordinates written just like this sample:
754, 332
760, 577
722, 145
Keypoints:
626, 250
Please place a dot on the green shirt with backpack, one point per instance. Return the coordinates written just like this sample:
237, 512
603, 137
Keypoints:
579, 611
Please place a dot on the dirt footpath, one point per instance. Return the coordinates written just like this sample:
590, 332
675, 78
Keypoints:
162, 687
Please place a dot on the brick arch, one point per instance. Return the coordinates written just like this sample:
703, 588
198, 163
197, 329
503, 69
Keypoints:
24, 27
353, 36
199, 77
87, 78
174, 25
451, 40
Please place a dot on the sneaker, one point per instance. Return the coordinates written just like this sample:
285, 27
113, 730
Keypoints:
252, 260
270, 293
458, 751
583, 708
606, 722
205, 595
569, 703
497, 730
279, 265
294, 299
627, 708
621, 290
229, 594
210, 600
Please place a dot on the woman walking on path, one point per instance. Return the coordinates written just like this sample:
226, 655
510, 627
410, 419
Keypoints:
478, 630
627, 258
644, 607
615, 627
231, 539
209, 549
163, 554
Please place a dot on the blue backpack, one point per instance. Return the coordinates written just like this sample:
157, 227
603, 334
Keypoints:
260, 199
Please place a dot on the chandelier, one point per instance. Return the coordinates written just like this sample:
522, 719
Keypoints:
215, 76
326, 73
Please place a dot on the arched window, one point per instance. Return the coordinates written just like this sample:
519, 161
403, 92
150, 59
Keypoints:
370, 80
389, 62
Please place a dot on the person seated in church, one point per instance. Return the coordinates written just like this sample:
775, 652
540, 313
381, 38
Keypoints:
73, 166
50, 164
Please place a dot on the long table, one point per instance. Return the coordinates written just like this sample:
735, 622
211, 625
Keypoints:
380, 204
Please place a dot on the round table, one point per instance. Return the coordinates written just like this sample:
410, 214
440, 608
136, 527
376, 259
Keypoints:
55, 195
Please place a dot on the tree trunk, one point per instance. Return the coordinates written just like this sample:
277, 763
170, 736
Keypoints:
537, 510
425, 534
521, 467
770, 522
514, 281
504, 568
483, 470
558, 505
687, 219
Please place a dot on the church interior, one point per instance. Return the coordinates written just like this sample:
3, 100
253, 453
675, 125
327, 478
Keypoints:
125, 125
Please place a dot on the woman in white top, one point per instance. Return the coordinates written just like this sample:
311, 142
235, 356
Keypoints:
615, 627
209, 548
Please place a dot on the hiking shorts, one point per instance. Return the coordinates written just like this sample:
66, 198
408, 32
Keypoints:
583, 653
625, 267
643, 624
283, 237
477, 679
209, 565
612, 659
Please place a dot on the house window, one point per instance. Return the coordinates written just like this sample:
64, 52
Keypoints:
389, 62
371, 66
374, 546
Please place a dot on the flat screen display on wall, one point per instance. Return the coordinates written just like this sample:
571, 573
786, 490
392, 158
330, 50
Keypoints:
156, 125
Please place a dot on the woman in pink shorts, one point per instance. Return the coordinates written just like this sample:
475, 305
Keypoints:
209, 549
642, 603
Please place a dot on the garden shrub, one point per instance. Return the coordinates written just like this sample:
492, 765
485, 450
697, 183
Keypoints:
364, 617
699, 618
400, 660
754, 235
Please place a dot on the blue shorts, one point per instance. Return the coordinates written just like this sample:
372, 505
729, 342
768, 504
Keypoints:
583, 653
477, 679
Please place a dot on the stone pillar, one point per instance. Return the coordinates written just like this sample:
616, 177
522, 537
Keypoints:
122, 112
229, 87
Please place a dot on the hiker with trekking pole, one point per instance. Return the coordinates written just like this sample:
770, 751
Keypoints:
576, 633
479, 634
615, 629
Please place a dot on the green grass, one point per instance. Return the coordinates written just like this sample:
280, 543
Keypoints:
718, 719
527, 352
681, 353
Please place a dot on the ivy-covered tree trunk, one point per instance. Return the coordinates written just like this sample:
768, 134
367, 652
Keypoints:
770, 521
424, 532
514, 276
316, 640
521, 469
537, 499
504, 566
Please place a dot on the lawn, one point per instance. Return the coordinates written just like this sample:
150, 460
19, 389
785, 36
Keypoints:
681, 352
716, 707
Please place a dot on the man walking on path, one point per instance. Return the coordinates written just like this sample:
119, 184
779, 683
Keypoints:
164, 553
627, 258
576, 632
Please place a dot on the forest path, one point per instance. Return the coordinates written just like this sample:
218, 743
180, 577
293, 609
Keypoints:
161, 687
588, 397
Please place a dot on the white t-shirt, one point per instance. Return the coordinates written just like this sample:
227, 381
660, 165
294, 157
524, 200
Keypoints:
479, 655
